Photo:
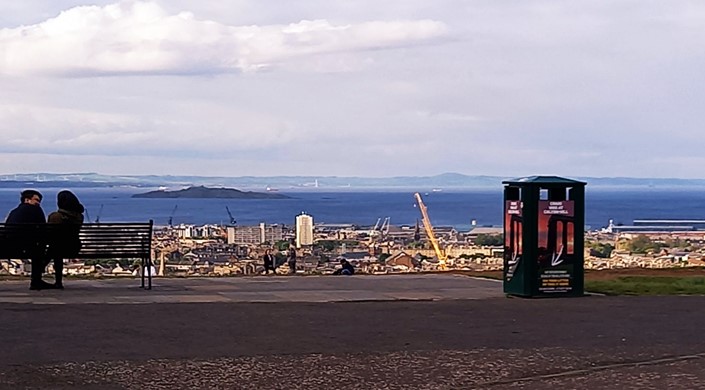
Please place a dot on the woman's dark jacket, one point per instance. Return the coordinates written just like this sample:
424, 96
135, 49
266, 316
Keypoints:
64, 240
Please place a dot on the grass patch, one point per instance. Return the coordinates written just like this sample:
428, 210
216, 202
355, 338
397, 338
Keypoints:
648, 285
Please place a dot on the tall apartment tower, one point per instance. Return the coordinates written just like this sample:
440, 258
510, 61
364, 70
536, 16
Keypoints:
304, 230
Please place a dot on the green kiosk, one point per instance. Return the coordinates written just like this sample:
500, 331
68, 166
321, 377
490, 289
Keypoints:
544, 223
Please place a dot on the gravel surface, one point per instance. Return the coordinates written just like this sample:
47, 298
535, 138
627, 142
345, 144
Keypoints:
477, 369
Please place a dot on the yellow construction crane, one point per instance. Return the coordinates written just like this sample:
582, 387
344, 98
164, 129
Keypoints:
429, 232
164, 248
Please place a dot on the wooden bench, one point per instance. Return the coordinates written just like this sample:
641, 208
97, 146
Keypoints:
98, 241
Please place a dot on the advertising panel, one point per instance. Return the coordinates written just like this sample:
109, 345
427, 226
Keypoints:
512, 237
556, 246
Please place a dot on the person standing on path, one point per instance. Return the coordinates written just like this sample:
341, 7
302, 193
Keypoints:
64, 240
28, 243
268, 262
291, 259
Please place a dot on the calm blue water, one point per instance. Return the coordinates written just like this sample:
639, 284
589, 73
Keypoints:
445, 208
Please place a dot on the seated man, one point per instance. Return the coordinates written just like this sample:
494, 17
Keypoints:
345, 269
25, 239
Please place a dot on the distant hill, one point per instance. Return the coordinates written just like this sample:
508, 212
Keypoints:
202, 192
447, 181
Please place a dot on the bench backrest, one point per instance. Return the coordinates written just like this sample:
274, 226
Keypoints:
98, 240
118, 239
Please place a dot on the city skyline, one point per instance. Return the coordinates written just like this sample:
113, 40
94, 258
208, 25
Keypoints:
334, 88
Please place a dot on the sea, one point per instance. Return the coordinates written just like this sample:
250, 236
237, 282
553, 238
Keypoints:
363, 208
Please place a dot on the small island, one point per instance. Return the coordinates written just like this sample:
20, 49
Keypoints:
202, 192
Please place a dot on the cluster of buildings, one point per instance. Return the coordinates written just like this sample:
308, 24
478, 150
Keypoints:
629, 260
217, 250
214, 250
659, 226
681, 244
237, 250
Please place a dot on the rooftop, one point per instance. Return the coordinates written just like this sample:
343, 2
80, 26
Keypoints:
543, 180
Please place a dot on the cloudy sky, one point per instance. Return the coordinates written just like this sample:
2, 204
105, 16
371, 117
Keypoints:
353, 87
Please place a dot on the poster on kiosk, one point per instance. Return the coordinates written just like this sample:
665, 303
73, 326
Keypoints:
556, 246
512, 238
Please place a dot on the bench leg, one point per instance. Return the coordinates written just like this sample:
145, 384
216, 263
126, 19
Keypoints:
142, 272
149, 273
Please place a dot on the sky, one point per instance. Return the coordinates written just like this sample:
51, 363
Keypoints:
597, 88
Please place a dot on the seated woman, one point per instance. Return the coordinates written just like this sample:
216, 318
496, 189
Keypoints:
65, 241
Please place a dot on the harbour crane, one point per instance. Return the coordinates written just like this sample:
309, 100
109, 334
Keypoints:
372, 233
171, 216
429, 231
97, 218
417, 232
232, 219
384, 229
383, 237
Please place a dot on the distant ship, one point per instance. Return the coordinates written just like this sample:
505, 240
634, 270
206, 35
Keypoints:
271, 189
437, 190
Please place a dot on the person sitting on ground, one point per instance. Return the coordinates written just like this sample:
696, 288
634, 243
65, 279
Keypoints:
345, 268
26, 241
64, 240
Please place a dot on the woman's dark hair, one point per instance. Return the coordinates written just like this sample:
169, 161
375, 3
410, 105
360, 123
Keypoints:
68, 201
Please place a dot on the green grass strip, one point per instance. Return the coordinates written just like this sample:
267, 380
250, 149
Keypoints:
648, 285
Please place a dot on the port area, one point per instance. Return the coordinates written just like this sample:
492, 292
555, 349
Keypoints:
334, 332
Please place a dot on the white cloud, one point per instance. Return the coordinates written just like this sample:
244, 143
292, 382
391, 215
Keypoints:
42, 128
140, 37
336, 87
69, 131
448, 116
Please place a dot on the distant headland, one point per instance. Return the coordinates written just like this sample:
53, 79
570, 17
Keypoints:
202, 192
266, 184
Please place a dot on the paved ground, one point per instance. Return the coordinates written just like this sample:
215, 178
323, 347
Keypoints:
367, 334
258, 289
